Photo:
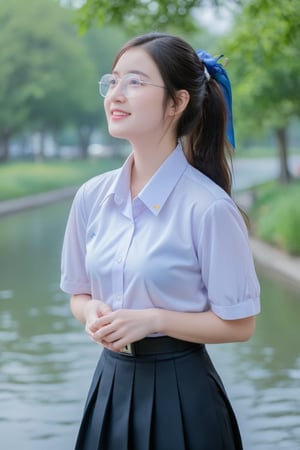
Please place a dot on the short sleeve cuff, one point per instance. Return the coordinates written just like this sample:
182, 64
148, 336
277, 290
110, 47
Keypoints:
74, 288
242, 310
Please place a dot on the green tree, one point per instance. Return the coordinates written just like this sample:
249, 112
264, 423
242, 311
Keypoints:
46, 75
264, 47
70, 97
141, 15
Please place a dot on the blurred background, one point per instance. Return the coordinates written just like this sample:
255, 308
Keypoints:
53, 137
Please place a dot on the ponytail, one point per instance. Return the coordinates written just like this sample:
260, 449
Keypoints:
207, 147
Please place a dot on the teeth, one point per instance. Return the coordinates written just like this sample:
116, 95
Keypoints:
119, 113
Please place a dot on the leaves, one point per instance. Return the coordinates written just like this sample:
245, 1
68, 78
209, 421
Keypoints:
140, 15
264, 48
43, 66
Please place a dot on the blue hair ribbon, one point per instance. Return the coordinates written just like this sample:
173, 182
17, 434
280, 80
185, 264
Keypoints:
218, 73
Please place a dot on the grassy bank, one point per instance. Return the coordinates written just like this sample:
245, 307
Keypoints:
19, 179
276, 215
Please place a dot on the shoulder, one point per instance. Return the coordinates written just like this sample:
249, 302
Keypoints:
198, 182
95, 190
208, 201
202, 192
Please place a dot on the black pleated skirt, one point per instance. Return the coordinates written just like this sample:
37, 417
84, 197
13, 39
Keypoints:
158, 402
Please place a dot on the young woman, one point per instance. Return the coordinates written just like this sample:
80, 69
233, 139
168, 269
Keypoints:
156, 258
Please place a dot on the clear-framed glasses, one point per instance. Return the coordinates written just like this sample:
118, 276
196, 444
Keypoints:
129, 84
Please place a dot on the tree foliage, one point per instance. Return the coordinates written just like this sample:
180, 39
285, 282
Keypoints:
47, 77
141, 15
265, 49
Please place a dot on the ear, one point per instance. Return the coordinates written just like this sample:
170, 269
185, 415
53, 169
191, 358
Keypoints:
182, 100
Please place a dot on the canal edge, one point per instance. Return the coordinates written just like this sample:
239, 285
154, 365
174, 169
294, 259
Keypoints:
276, 261
36, 200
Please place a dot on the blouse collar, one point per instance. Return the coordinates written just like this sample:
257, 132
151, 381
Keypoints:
156, 192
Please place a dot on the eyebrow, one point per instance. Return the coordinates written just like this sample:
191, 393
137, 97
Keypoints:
137, 72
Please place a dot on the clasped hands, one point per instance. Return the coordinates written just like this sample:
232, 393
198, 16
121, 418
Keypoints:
116, 329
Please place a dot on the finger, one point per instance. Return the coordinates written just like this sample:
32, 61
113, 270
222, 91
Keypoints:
108, 334
99, 323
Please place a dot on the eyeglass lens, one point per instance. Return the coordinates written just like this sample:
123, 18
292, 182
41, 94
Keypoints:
128, 84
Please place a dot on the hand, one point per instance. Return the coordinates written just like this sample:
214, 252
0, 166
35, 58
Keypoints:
115, 330
93, 310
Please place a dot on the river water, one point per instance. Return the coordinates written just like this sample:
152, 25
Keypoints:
47, 361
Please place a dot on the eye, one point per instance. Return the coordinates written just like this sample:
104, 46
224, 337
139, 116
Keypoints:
112, 82
134, 81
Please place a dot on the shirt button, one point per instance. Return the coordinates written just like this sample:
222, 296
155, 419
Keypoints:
119, 259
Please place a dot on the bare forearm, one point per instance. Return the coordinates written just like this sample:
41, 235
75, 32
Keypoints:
78, 305
203, 327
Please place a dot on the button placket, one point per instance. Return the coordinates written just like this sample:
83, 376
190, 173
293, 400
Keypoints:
118, 267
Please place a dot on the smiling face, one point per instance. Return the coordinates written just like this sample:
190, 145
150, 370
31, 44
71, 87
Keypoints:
143, 116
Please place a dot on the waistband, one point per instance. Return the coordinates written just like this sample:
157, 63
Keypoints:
157, 345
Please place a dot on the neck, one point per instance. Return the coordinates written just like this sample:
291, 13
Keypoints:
146, 162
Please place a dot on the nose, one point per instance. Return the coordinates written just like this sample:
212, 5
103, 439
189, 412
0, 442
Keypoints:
117, 92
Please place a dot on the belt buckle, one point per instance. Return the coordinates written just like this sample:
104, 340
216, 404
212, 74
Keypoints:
128, 350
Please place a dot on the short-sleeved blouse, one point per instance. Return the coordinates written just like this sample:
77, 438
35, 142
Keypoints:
181, 244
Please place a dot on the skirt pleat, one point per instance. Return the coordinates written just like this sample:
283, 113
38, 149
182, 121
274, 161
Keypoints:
142, 406
97, 407
207, 417
158, 402
116, 433
168, 432
199, 418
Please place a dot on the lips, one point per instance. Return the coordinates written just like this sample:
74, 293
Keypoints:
118, 114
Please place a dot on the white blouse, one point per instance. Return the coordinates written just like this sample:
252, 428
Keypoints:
181, 244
